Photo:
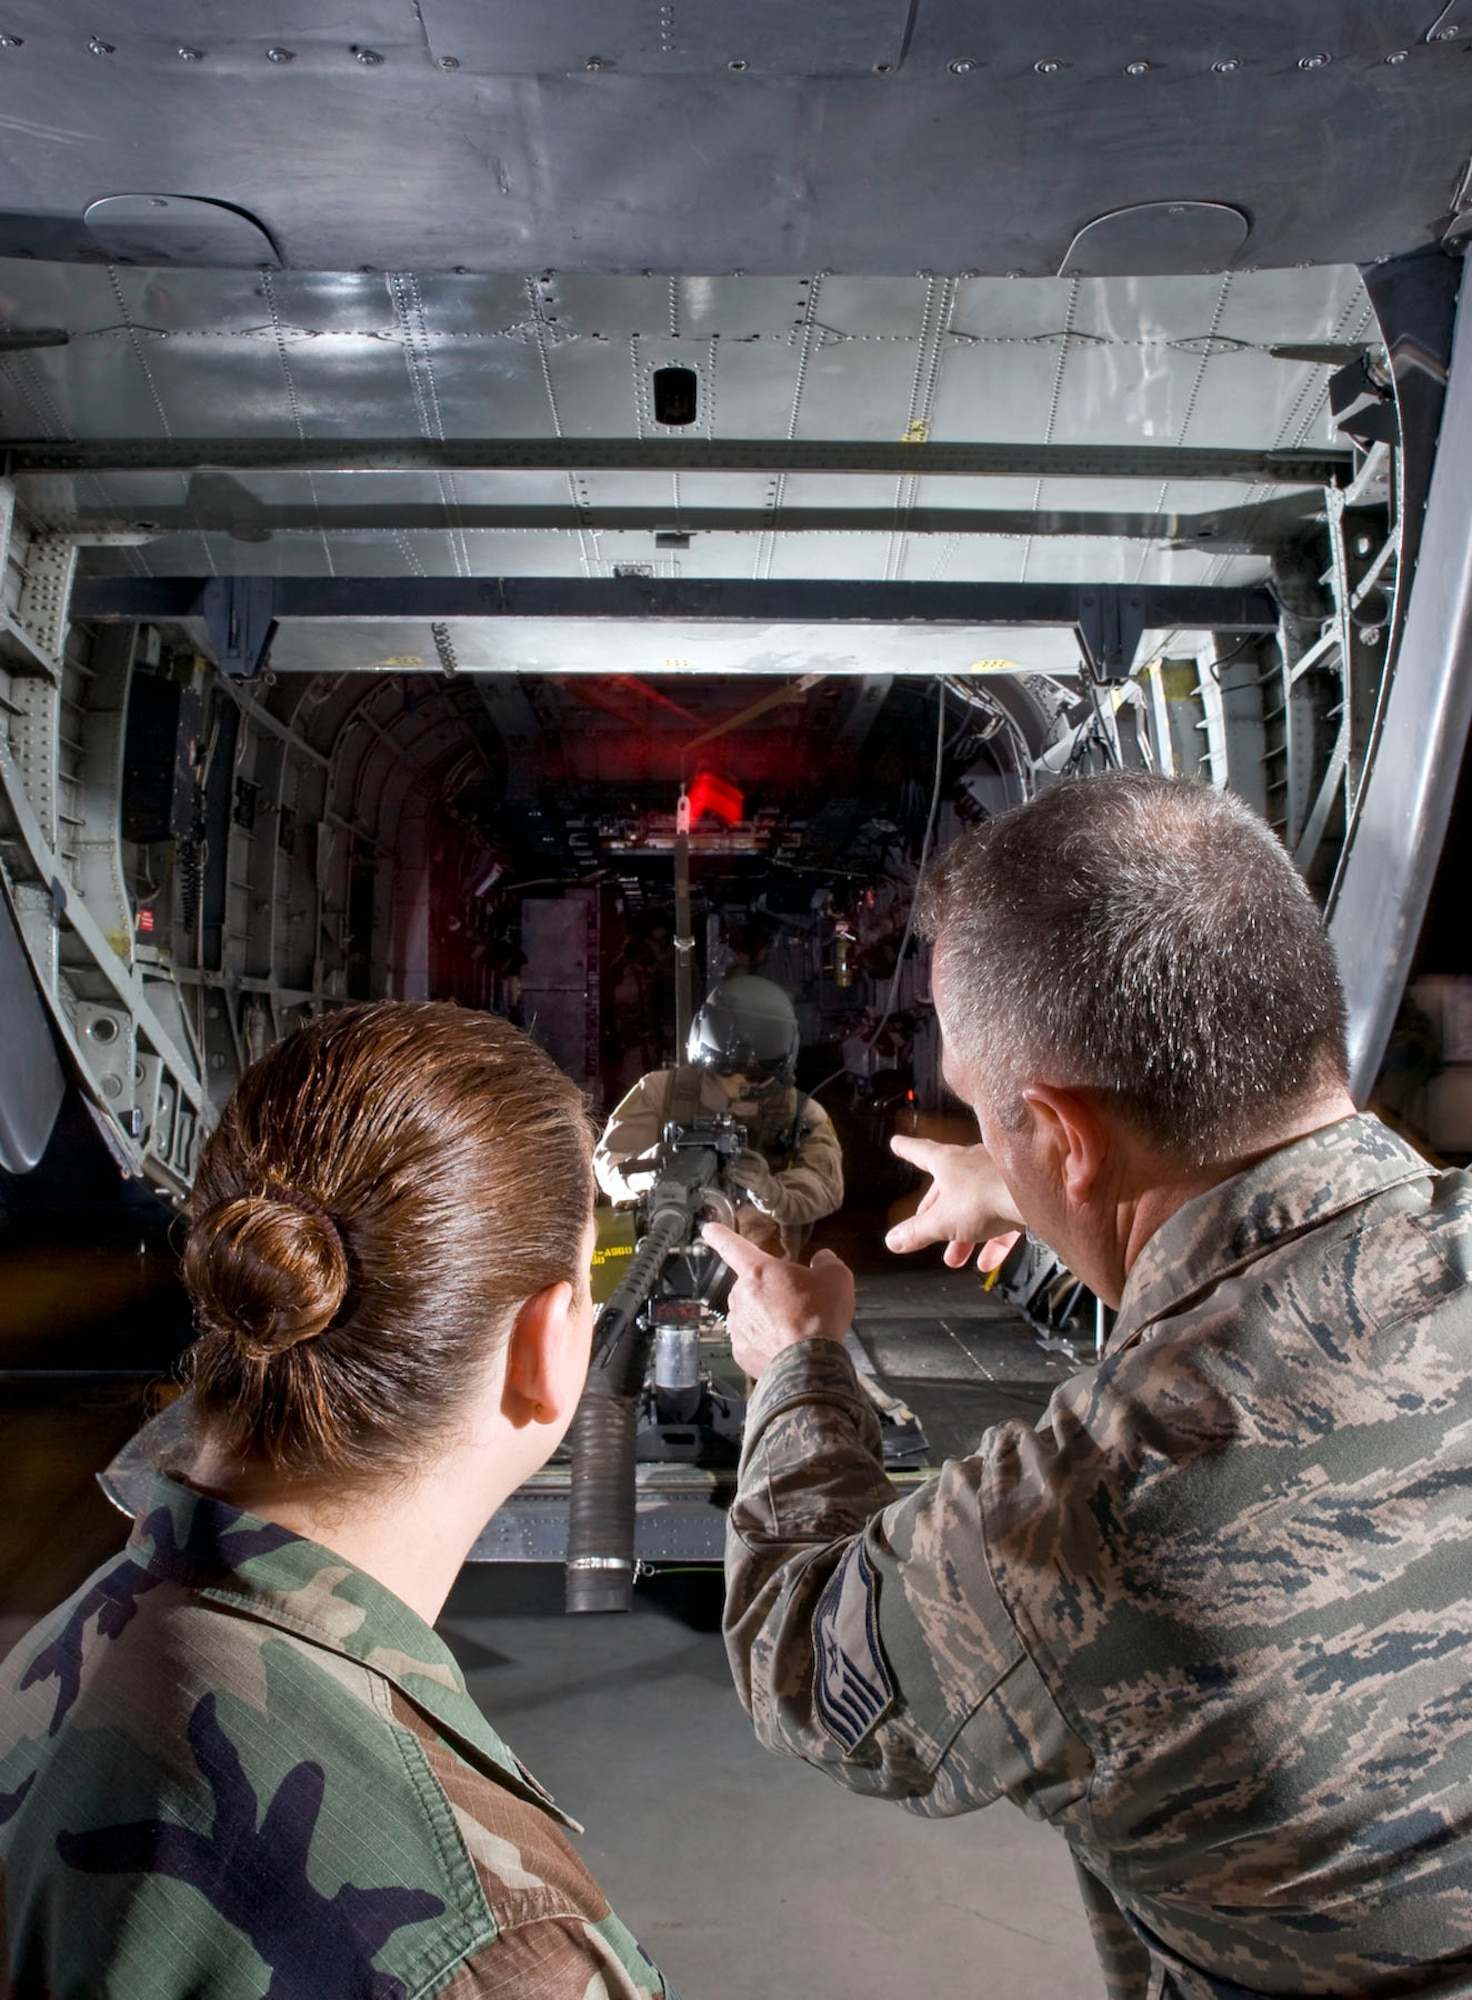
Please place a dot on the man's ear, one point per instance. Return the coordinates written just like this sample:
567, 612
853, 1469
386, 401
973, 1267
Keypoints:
1074, 1138
546, 1358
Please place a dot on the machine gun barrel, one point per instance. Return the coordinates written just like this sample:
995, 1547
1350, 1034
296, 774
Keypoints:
620, 1311
601, 1500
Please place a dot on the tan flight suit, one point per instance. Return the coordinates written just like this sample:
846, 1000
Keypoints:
808, 1182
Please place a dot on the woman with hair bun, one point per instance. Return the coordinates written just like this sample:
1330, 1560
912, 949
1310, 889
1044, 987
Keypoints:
239, 1762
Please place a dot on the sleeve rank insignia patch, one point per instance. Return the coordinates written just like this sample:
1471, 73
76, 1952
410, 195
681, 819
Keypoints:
853, 1688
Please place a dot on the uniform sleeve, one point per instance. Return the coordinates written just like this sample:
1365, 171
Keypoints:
812, 1186
549, 1928
560, 1957
864, 1632
633, 1129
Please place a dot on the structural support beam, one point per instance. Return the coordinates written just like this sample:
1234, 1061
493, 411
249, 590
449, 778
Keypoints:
1110, 624
906, 461
1405, 802
240, 620
416, 599
1415, 301
218, 504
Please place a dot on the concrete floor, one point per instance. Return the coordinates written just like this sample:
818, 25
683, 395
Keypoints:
746, 1875
743, 1875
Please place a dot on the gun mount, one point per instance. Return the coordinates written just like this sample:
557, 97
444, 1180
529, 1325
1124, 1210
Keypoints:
646, 1383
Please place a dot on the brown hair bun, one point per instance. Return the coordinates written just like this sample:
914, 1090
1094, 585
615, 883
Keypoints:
449, 1163
267, 1271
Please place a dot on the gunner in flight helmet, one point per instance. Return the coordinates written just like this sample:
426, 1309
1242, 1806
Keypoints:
747, 1027
740, 1062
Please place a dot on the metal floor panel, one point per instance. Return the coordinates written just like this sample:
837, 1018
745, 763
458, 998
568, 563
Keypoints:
969, 1363
920, 1291
956, 1415
958, 1350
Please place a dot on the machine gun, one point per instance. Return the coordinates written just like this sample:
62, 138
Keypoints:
674, 1288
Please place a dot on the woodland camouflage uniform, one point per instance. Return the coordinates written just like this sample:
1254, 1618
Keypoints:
1212, 1618
234, 1765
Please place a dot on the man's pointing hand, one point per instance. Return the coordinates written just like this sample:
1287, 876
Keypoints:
966, 1203
774, 1304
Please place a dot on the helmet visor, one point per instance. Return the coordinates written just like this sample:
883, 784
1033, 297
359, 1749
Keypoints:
751, 1067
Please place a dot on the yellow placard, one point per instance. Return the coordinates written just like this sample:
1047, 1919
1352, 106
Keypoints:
614, 1246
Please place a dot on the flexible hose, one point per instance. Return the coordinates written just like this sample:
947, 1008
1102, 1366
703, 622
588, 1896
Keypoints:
600, 1525
600, 1522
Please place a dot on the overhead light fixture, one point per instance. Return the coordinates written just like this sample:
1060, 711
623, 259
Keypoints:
710, 793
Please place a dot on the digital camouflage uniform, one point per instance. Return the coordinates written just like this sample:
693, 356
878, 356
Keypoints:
809, 1178
1212, 1618
232, 1765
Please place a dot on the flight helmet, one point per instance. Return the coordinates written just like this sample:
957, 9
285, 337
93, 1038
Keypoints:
746, 1028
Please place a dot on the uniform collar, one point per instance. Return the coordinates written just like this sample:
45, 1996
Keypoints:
262, 1571
1283, 1195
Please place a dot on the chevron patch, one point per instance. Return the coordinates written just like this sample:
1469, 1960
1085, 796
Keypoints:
853, 1686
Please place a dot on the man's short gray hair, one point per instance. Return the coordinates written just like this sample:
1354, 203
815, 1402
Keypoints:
1143, 937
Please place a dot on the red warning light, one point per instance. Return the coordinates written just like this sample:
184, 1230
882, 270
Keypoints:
710, 794
145, 922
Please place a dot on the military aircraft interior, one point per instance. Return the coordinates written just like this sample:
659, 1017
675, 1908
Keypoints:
551, 506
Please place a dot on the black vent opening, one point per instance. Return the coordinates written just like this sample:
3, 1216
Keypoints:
676, 396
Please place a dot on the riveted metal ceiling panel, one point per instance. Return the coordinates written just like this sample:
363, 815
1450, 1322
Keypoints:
171, 354
1106, 346
223, 24
972, 138
668, 37
738, 309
